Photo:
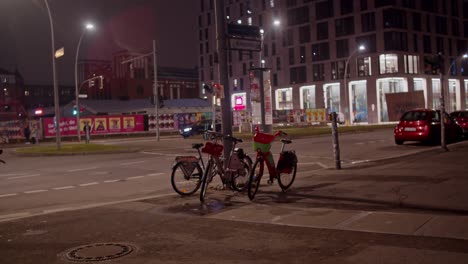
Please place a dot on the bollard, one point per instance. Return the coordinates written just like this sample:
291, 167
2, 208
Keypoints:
336, 142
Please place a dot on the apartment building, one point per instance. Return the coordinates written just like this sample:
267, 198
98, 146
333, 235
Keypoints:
369, 60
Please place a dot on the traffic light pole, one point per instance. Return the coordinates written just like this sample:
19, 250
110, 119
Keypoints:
223, 73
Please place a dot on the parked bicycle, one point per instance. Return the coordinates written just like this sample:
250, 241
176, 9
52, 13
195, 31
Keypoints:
235, 175
187, 172
285, 170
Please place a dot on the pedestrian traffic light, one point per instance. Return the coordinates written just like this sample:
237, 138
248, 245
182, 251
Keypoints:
74, 111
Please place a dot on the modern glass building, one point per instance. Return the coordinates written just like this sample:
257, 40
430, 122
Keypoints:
369, 60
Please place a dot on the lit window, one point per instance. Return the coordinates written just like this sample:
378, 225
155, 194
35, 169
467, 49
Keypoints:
284, 99
388, 63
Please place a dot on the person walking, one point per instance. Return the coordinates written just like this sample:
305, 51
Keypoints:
87, 130
27, 132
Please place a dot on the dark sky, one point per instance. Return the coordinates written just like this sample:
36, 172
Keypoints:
25, 41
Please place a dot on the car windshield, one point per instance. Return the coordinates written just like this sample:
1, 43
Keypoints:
414, 116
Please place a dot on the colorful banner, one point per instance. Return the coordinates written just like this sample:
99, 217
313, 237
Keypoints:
100, 125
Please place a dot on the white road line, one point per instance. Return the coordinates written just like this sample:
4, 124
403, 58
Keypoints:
83, 169
35, 191
24, 176
359, 161
136, 177
155, 174
8, 195
64, 187
359, 143
111, 181
134, 162
160, 154
88, 184
10, 174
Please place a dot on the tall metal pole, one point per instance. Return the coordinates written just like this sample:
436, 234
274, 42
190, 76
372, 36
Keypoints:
443, 143
156, 90
54, 74
223, 73
77, 92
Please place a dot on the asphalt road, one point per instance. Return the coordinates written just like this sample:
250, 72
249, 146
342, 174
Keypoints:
32, 185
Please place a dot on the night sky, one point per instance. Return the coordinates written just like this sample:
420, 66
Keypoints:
25, 41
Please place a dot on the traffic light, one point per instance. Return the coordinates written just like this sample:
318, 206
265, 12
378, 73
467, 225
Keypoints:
74, 111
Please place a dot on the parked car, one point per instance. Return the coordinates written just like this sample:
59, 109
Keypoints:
462, 120
424, 125
198, 128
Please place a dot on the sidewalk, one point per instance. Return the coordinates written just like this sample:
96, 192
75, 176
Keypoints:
408, 210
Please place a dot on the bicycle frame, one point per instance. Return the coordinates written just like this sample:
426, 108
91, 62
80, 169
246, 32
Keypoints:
267, 158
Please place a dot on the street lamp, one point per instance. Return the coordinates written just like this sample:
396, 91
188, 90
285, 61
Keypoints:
276, 23
54, 74
443, 143
347, 113
88, 27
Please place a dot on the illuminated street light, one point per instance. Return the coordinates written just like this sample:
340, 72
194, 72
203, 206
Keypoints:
88, 27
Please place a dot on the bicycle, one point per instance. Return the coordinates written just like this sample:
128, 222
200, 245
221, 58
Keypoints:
284, 172
187, 173
237, 169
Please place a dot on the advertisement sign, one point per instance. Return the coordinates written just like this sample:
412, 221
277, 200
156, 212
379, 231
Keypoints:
267, 98
100, 125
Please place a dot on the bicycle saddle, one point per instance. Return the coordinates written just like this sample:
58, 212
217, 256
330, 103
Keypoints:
197, 145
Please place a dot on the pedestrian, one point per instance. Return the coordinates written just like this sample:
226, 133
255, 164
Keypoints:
87, 130
27, 132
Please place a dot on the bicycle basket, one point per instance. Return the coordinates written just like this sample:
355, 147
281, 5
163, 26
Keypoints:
212, 149
262, 142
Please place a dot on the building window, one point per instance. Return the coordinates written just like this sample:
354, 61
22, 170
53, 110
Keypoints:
432, 65
441, 25
393, 18
344, 26
388, 63
320, 51
440, 45
324, 9
342, 49
455, 28
411, 64
368, 22
396, 41
332, 97
302, 54
307, 97
278, 63
275, 79
322, 31
368, 41
380, 3
298, 16
436, 93
297, 75
244, 68
363, 5
337, 70
139, 90
427, 44
291, 56
284, 99
364, 66
409, 3
416, 21
318, 72
304, 34
346, 7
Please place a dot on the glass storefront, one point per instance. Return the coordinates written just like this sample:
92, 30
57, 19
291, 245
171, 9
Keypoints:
420, 85
388, 86
332, 97
284, 99
308, 97
435, 93
358, 92
453, 101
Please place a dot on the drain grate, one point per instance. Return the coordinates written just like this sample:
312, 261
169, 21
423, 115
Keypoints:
99, 252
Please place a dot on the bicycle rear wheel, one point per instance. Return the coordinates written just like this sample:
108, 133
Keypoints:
286, 179
255, 177
207, 176
240, 177
186, 178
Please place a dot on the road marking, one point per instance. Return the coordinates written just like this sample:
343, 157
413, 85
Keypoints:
8, 195
155, 174
136, 177
352, 219
160, 154
360, 161
88, 184
359, 143
111, 181
134, 162
9, 174
64, 187
83, 169
36, 191
24, 176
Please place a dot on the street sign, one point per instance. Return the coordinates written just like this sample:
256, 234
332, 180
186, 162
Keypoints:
243, 31
244, 44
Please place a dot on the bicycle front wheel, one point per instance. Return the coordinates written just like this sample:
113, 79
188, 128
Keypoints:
186, 178
207, 176
255, 177
240, 177
287, 176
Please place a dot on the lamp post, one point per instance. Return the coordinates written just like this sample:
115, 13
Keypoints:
276, 23
443, 142
347, 113
155, 83
77, 92
54, 74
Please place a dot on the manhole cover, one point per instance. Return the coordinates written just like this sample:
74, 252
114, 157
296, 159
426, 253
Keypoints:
99, 252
